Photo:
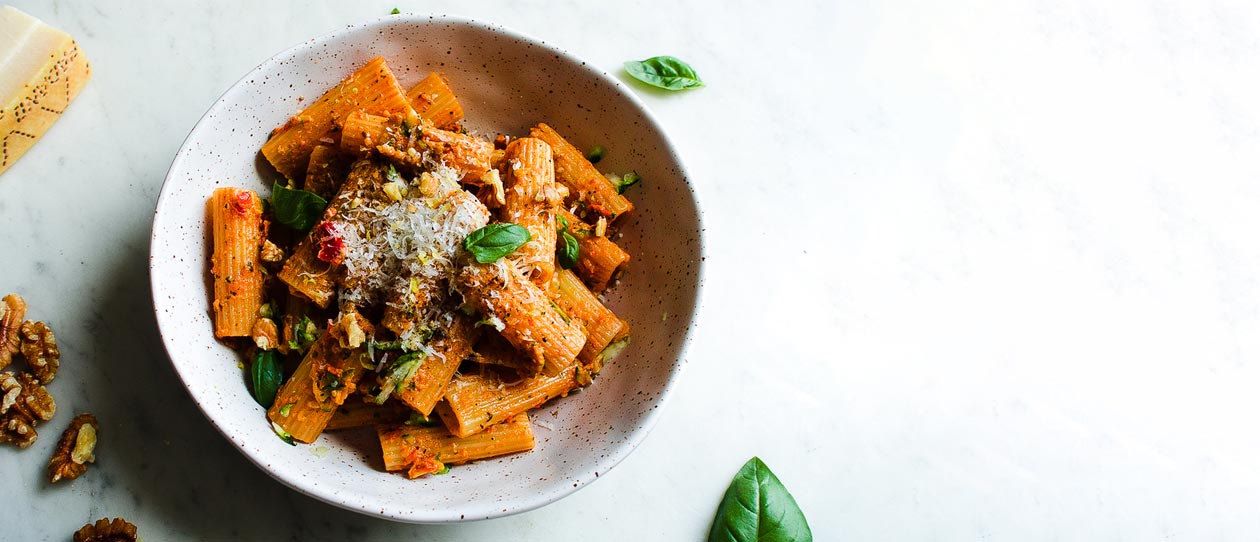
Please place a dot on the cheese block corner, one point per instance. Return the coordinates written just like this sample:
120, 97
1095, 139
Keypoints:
41, 72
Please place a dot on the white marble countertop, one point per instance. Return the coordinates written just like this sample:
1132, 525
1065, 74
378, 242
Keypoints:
977, 270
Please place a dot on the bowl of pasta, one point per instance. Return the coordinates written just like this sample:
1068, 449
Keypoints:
428, 269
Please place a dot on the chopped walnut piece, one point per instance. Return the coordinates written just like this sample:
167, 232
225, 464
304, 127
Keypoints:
12, 312
265, 334
270, 253
23, 404
104, 530
75, 450
39, 347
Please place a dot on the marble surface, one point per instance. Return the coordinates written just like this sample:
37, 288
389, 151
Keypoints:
976, 270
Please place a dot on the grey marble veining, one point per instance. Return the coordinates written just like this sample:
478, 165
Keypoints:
976, 270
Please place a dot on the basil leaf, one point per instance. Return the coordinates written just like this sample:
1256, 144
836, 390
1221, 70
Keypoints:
265, 375
664, 72
569, 250
297, 209
625, 181
495, 241
595, 154
757, 508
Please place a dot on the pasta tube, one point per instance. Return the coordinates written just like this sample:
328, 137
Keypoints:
372, 89
433, 100
600, 260
530, 200
521, 309
585, 183
427, 450
429, 382
314, 269
327, 169
238, 231
601, 325
321, 383
475, 402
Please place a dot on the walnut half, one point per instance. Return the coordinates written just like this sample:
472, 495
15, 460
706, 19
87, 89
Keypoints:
12, 312
104, 530
23, 404
39, 347
75, 450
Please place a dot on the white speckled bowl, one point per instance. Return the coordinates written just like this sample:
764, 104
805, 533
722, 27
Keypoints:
506, 82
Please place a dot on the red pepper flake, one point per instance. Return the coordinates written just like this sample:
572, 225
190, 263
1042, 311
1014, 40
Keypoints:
331, 246
243, 202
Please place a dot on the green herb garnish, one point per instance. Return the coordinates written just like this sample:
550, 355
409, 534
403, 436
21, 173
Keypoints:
265, 375
757, 508
495, 241
595, 154
394, 11
420, 420
297, 209
569, 251
284, 410
664, 72
625, 181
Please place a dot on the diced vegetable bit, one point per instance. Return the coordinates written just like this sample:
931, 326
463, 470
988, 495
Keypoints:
595, 154
420, 420
394, 11
622, 182
284, 435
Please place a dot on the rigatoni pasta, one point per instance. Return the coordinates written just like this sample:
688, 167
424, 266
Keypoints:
238, 231
416, 277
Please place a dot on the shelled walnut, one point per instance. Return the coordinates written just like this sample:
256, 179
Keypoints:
12, 313
265, 334
104, 530
39, 347
75, 450
23, 404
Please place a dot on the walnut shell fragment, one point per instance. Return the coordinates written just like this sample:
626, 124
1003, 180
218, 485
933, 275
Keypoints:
23, 404
75, 450
104, 530
39, 347
12, 313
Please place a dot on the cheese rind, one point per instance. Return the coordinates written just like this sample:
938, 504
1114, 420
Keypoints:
41, 72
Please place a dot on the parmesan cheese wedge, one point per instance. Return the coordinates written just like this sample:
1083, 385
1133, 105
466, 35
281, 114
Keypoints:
41, 71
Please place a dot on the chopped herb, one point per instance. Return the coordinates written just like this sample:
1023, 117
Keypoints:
445, 469
392, 175
284, 410
625, 181
420, 420
563, 314
266, 311
665, 72
330, 382
399, 374
394, 11
595, 154
489, 244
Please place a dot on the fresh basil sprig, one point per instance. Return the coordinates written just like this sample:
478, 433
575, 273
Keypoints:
297, 209
664, 72
265, 374
757, 508
495, 241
